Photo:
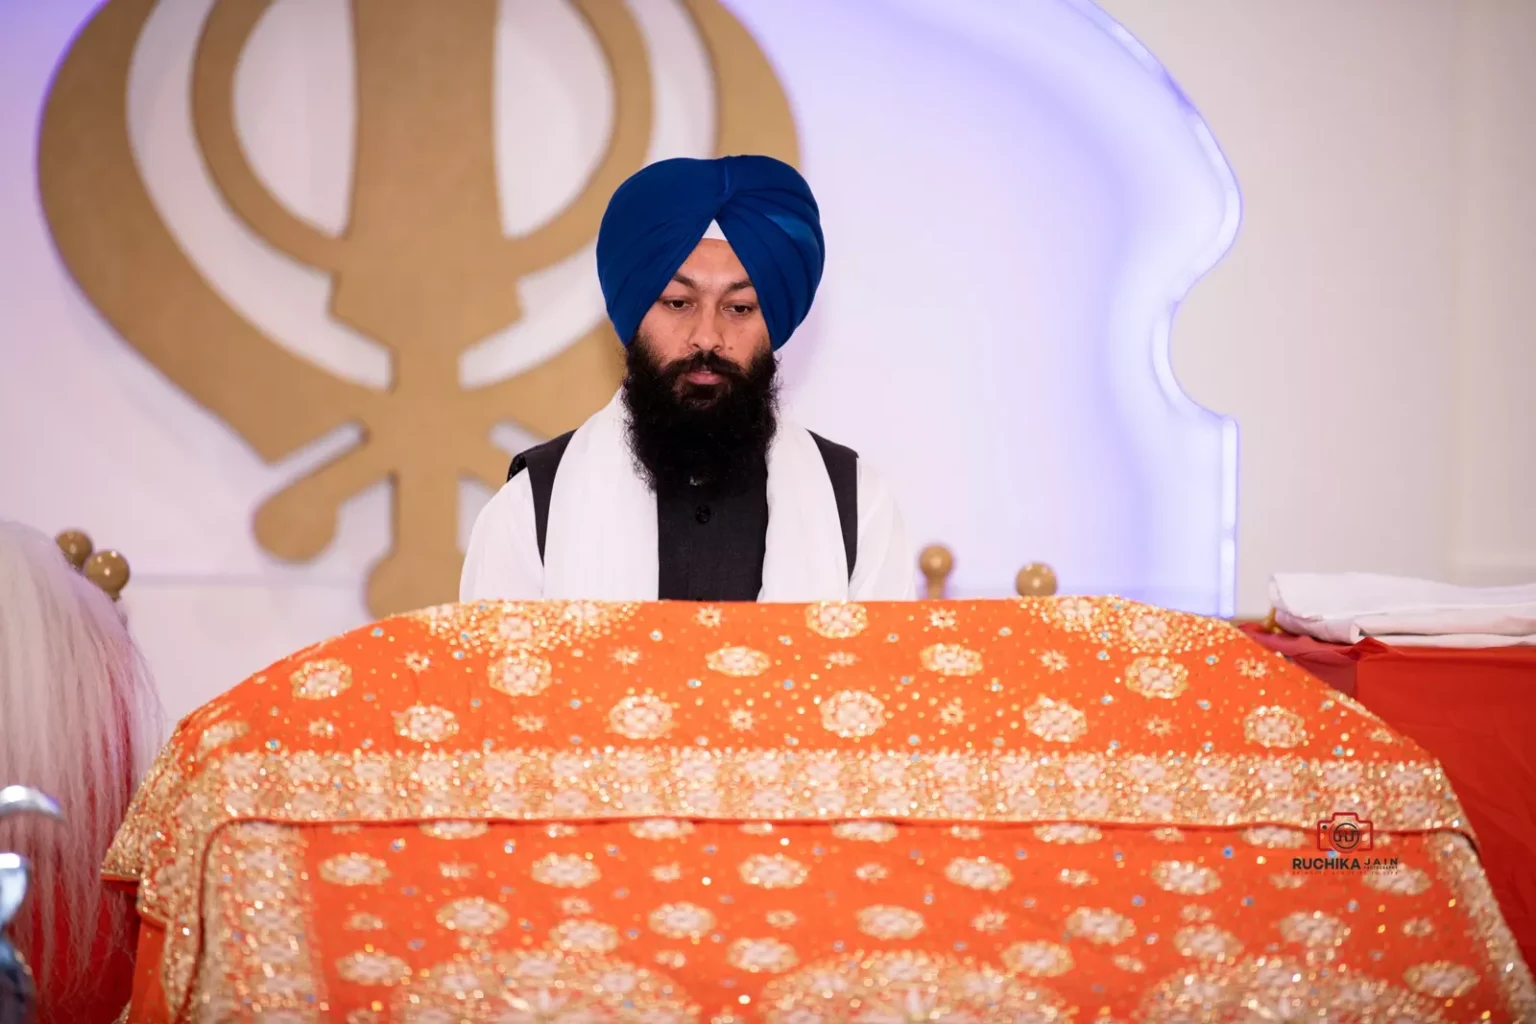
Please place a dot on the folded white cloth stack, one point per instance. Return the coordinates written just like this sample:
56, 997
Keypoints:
1347, 607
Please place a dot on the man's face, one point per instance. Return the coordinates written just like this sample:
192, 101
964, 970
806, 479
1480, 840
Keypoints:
708, 313
701, 383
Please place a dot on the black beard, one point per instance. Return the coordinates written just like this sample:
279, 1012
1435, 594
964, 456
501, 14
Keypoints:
683, 433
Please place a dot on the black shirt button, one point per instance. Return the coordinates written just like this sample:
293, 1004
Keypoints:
702, 514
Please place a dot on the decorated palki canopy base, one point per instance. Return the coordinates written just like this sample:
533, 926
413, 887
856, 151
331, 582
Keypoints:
1030, 810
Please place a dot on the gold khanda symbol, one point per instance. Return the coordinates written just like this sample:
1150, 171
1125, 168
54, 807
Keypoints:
422, 266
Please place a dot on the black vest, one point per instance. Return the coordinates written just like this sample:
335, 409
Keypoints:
710, 544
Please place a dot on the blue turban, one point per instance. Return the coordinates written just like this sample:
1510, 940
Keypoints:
657, 217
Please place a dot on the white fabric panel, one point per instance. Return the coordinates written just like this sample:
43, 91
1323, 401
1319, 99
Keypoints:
601, 541
1347, 607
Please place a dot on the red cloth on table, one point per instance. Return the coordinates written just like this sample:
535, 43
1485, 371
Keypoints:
1334, 664
94, 992
1475, 711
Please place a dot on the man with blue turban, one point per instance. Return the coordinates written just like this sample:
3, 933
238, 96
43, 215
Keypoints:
689, 485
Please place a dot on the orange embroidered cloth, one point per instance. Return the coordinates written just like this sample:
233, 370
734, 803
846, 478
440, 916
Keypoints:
963, 811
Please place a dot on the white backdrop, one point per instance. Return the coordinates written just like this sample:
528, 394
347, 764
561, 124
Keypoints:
1371, 329
974, 181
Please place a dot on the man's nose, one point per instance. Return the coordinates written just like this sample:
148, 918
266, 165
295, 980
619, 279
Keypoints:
708, 336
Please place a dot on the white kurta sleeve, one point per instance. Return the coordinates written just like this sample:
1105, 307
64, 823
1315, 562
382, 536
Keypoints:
503, 558
886, 569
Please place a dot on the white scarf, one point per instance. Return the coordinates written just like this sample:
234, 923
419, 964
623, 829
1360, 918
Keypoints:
601, 541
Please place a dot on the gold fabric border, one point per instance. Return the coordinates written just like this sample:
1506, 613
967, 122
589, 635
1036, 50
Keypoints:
567, 986
256, 909
1458, 865
770, 785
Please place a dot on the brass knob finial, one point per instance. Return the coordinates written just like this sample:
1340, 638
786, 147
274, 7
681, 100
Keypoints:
936, 563
1035, 580
76, 546
108, 570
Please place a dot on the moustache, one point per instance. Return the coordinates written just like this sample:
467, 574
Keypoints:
712, 362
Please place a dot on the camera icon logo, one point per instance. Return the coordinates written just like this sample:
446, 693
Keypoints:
1345, 832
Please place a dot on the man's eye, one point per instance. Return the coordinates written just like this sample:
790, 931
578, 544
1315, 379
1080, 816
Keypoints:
742, 310
675, 304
